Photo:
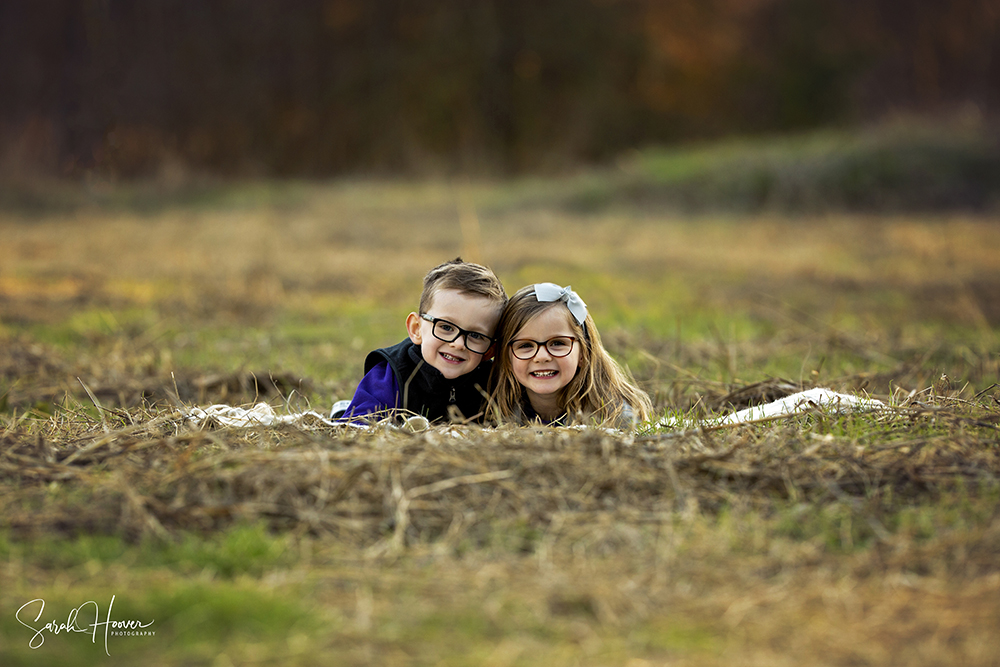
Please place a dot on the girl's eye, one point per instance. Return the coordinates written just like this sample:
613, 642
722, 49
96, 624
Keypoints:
524, 345
558, 343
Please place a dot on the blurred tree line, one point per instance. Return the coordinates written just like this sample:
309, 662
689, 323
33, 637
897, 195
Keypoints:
315, 87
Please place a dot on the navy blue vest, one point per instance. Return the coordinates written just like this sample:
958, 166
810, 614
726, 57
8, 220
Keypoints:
425, 391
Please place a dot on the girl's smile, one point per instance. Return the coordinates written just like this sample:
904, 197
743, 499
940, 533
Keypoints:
543, 376
551, 365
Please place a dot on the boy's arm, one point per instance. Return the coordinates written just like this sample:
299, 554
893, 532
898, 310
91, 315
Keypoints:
377, 392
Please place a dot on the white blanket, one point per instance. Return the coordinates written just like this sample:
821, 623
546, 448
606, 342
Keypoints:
263, 414
803, 401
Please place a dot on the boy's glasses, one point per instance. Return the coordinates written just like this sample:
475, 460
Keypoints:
448, 332
525, 349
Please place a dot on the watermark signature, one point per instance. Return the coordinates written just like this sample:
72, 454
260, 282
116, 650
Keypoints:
76, 622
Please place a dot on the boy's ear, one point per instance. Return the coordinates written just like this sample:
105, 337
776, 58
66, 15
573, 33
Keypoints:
490, 352
413, 328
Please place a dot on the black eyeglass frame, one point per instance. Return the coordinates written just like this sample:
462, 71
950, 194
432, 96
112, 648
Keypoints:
461, 333
540, 344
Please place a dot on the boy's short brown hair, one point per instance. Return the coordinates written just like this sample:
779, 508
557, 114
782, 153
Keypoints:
464, 277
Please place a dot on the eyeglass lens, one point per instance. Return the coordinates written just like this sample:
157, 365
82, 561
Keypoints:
448, 332
557, 347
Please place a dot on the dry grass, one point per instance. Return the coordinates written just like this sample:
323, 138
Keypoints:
161, 474
771, 543
822, 539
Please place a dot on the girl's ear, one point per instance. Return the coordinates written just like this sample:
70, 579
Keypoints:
413, 328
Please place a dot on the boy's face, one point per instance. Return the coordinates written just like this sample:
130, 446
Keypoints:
469, 312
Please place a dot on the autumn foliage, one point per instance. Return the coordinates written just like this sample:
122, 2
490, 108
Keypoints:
318, 87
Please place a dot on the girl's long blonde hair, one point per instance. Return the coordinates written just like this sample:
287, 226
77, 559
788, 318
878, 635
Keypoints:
600, 392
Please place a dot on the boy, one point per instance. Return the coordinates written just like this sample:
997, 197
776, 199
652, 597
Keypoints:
437, 369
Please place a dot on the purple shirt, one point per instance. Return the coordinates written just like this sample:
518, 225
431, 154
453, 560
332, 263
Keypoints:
377, 392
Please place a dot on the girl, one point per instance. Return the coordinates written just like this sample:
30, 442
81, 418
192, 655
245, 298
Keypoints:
551, 365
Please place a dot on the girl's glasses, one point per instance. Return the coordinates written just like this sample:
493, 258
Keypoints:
448, 332
524, 348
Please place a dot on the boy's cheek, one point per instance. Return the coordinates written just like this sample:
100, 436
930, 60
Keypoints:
428, 355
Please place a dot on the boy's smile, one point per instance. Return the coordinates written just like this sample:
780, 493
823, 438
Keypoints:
451, 357
472, 313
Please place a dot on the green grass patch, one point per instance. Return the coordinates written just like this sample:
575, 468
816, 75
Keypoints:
905, 167
192, 622
240, 550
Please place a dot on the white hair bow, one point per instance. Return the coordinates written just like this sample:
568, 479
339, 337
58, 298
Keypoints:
546, 292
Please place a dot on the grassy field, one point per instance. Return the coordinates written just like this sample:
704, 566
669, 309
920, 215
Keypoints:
867, 539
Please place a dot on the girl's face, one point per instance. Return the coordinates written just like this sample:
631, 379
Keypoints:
544, 375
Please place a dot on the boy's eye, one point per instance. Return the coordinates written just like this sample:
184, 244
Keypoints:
444, 327
472, 335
